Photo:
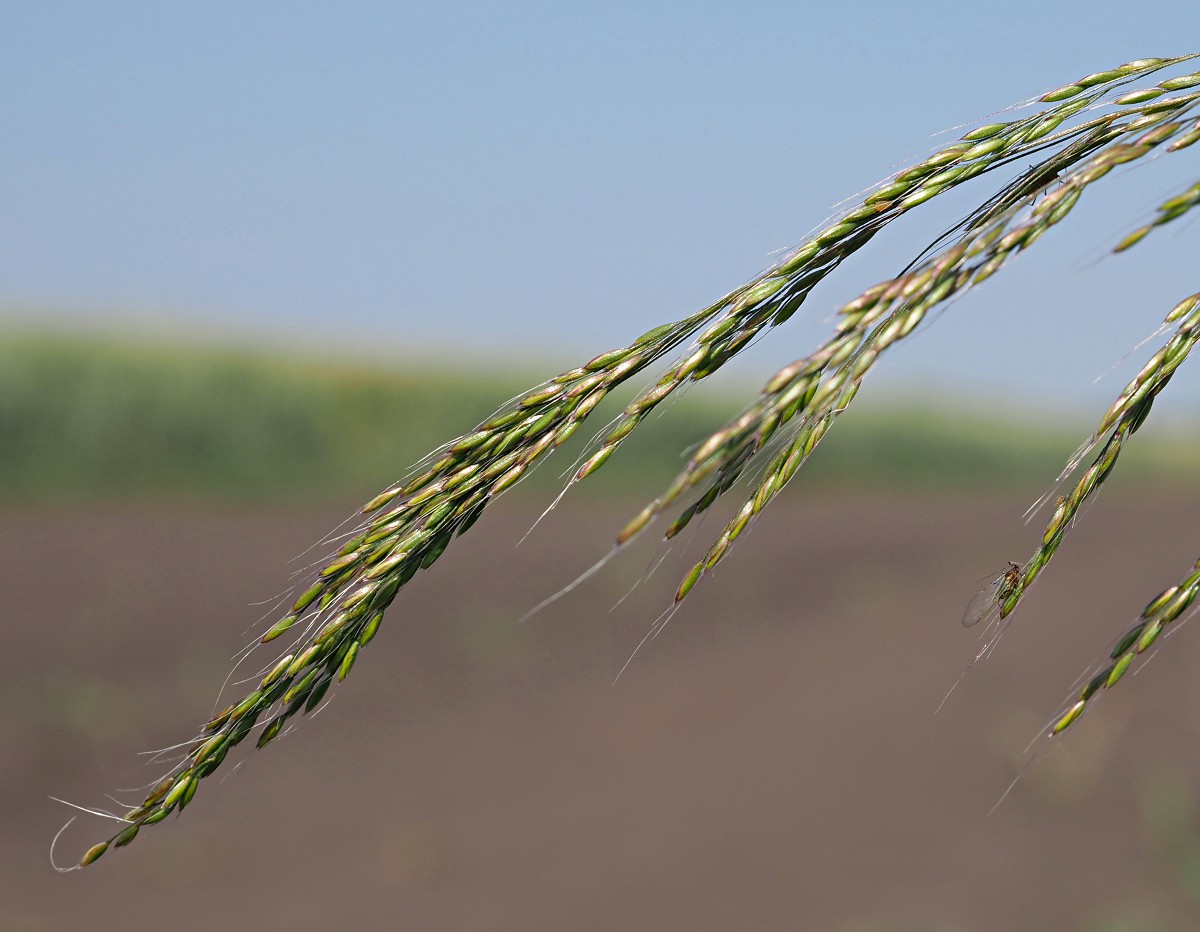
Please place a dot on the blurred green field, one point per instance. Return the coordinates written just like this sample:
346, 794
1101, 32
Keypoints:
88, 417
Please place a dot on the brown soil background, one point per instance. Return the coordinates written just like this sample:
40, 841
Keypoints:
772, 761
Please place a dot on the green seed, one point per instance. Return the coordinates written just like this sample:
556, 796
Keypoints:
543, 422
207, 749
1178, 84
299, 688
1063, 93
689, 581
716, 552
594, 462
381, 499
986, 132
348, 661
371, 628
270, 731
1045, 127
306, 657
437, 548
1101, 77
1187, 139
188, 793
338, 565
888, 193
243, 726
623, 429
633, 527
245, 705
471, 441
216, 722
1150, 635
541, 397
214, 761
177, 790
159, 791
800, 258
310, 595
280, 627
386, 566
604, 360
127, 835
1156, 604
981, 149
718, 330
510, 478
1073, 713
680, 523
1096, 683
761, 291
1119, 669
1128, 639
652, 336
586, 406
318, 693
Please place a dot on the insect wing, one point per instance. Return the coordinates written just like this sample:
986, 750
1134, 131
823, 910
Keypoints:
982, 603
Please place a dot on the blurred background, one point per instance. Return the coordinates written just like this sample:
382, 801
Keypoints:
257, 261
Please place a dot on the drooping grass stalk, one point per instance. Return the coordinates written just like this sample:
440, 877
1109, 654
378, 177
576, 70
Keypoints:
1083, 131
1163, 609
895, 308
1171, 209
1122, 420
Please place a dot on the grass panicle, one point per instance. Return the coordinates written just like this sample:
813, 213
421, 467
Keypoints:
1077, 134
813, 391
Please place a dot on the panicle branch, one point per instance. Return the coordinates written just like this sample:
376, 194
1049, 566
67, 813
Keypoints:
1159, 612
815, 390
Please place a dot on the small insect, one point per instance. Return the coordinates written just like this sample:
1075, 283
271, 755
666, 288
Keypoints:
1036, 182
992, 594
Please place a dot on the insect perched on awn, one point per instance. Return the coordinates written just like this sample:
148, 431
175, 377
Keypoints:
992, 594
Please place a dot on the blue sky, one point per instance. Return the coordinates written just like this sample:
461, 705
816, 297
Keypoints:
547, 180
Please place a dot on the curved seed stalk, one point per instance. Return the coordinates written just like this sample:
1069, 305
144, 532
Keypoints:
1171, 209
1159, 612
1121, 421
406, 528
881, 316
